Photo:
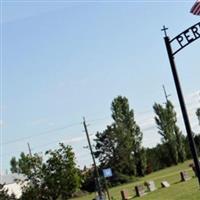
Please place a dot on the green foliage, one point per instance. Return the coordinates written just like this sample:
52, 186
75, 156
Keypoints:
157, 158
172, 137
119, 178
88, 181
119, 145
60, 170
141, 160
28, 165
56, 178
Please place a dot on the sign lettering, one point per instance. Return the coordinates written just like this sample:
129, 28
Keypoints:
186, 37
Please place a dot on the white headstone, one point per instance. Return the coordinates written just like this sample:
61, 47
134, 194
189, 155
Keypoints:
165, 184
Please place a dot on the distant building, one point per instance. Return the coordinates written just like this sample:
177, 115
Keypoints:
13, 183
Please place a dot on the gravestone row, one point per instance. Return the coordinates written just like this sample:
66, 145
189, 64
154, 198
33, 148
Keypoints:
150, 187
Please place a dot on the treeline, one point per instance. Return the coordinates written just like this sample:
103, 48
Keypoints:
118, 147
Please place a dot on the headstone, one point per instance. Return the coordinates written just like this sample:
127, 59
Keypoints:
140, 190
165, 184
150, 185
184, 176
194, 170
193, 167
125, 195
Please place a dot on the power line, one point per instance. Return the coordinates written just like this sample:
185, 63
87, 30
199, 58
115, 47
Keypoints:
145, 131
75, 124
65, 127
41, 133
50, 131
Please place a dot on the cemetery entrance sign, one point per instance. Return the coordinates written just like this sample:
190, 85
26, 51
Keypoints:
185, 38
174, 46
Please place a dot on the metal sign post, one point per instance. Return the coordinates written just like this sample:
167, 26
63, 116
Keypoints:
183, 39
107, 173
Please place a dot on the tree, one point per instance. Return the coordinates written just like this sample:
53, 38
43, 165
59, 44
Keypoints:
157, 158
119, 145
172, 137
88, 184
198, 114
57, 178
130, 132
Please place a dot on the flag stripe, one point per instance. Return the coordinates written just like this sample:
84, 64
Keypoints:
196, 8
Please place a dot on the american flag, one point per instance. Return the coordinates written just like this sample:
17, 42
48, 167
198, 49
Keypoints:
196, 8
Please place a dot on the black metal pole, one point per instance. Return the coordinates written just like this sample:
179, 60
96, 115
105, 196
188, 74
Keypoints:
107, 190
94, 162
183, 107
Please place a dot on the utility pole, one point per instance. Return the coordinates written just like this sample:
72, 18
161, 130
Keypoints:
94, 162
29, 149
165, 93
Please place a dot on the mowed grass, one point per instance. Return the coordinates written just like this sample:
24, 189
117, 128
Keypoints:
178, 190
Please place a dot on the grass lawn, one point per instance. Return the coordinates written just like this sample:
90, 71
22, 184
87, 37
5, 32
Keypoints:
189, 190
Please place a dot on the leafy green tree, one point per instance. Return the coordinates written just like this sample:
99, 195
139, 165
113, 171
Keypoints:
88, 180
198, 114
172, 137
119, 145
28, 165
156, 158
57, 178
130, 132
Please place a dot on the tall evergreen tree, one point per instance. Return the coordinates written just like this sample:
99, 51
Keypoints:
119, 146
172, 137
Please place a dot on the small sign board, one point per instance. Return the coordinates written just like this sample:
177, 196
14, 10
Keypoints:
107, 172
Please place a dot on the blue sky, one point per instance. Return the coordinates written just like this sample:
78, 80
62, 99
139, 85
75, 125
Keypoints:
62, 60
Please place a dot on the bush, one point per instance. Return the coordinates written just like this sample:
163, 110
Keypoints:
118, 179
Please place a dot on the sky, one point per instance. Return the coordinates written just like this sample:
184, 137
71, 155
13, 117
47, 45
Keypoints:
65, 60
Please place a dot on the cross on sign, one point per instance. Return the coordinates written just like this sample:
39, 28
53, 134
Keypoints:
164, 30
